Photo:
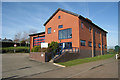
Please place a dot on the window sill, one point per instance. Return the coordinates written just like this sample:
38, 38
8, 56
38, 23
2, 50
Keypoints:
66, 38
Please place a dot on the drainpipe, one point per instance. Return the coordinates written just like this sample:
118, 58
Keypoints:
101, 41
93, 40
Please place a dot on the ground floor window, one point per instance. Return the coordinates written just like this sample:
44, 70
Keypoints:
83, 42
38, 40
65, 45
90, 44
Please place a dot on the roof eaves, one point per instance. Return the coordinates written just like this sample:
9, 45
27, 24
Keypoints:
79, 16
51, 16
63, 11
70, 12
37, 34
92, 24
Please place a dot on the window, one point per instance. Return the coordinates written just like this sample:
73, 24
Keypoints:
59, 17
68, 45
82, 42
105, 47
65, 34
60, 45
90, 44
60, 26
82, 25
99, 45
38, 40
49, 30
89, 28
96, 32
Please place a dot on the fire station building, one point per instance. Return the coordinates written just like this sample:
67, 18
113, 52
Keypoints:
72, 30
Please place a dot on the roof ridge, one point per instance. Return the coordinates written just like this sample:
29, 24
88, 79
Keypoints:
75, 14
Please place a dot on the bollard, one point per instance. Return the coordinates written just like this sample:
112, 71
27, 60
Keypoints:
14, 50
116, 56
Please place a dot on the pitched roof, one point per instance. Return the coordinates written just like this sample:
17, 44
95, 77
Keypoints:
7, 40
79, 16
37, 34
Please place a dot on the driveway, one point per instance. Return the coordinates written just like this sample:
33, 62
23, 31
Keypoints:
18, 65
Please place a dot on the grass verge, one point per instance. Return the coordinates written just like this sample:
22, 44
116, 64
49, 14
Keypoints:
15, 47
85, 60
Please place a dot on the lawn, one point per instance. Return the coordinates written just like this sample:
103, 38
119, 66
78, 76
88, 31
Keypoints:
86, 60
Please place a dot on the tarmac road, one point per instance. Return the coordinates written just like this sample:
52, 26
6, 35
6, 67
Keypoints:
18, 65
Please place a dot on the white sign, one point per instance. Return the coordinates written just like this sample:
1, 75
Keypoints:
44, 45
42, 55
63, 45
15, 45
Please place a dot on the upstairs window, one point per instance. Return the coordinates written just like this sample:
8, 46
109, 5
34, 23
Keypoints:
60, 26
65, 33
59, 17
82, 25
99, 45
105, 47
90, 44
49, 30
89, 29
83, 42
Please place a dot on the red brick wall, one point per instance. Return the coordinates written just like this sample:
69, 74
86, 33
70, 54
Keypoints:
78, 33
37, 56
68, 21
86, 35
71, 21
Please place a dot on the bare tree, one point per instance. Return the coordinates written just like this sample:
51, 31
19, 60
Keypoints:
23, 37
17, 37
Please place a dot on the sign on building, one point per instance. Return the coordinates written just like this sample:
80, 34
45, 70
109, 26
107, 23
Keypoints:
44, 45
63, 45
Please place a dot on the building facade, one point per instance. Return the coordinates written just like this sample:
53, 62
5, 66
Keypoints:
36, 39
73, 30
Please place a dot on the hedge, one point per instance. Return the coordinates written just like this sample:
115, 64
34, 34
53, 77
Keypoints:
17, 50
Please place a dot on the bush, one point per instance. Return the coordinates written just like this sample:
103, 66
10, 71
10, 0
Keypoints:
36, 49
54, 46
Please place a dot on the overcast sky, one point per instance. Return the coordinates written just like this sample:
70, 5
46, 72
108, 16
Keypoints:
26, 16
